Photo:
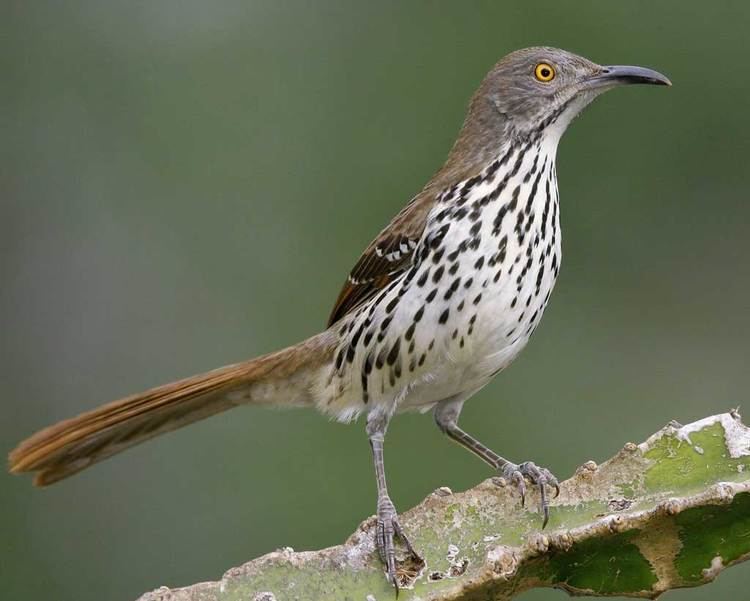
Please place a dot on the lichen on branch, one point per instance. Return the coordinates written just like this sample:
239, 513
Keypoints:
671, 512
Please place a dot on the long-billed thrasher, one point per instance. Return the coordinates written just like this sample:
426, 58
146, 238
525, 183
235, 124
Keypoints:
443, 299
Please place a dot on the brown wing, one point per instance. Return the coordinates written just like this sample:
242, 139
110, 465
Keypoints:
386, 257
392, 252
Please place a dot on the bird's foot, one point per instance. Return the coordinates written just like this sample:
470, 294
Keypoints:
387, 529
538, 476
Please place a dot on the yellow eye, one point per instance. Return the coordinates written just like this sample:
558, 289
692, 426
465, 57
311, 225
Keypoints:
544, 72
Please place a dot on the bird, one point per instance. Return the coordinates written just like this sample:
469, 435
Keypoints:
442, 300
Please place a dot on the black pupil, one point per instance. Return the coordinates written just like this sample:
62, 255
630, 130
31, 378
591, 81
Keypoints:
545, 72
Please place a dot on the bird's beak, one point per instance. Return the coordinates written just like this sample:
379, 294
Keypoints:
616, 75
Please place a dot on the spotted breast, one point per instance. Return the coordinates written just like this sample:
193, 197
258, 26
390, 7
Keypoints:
481, 276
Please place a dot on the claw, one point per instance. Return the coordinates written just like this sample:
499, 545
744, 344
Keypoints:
540, 477
407, 543
516, 477
387, 529
543, 502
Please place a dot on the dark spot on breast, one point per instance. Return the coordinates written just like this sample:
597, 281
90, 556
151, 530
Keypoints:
453, 287
339, 359
470, 183
437, 238
492, 169
380, 359
502, 247
393, 354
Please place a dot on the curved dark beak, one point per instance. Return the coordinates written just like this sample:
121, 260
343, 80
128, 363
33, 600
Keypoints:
615, 75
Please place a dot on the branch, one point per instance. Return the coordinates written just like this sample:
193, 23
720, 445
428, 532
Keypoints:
671, 512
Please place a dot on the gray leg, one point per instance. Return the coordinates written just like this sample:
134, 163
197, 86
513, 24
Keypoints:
388, 526
446, 417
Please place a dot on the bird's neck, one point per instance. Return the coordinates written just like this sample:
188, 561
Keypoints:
516, 188
488, 137
511, 162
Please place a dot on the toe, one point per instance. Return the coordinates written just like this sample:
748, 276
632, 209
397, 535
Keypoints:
389, 551
539, 477
543, 503
407, 543
551, 481
514, 474
531, 471
521, 485
380, 540
387, 530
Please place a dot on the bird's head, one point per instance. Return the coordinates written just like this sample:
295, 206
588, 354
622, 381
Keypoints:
539, 88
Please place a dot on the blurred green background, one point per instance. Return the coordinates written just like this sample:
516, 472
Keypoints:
186, 184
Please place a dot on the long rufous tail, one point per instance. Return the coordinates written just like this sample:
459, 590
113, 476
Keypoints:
286, 377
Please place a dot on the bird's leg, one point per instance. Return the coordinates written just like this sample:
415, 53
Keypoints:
388, 526
446, 417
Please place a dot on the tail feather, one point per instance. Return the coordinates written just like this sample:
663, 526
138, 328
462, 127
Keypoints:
63, 449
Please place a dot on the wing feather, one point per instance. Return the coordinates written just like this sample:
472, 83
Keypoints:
390, 254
